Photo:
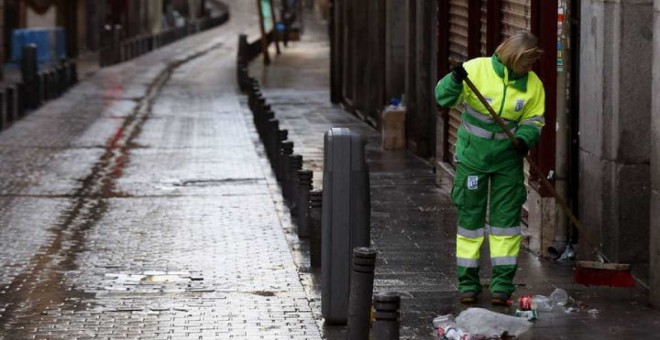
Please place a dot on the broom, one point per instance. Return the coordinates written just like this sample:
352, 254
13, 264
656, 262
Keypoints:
598, 273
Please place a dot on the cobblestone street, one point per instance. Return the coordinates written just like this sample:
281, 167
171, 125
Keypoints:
141, 205
137, 207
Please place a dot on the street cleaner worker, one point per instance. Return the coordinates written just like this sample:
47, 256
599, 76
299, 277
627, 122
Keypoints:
485, 155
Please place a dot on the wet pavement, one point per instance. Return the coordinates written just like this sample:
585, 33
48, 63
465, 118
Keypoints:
140, 205
413, 220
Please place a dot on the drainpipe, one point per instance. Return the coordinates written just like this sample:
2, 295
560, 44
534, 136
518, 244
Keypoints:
562, 152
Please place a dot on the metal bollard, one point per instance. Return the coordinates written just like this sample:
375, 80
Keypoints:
304, 187
20, 99
4, 119
30, 76
41, 96
346, 216
291, 185
315, 213
261, 121
271, 135
10, 95
279, 138
286, 149
386, 326
360, 293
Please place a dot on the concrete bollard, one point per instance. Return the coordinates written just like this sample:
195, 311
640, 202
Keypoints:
304, 187
386, 325
291, 185
360, 293
286, 149
315, 214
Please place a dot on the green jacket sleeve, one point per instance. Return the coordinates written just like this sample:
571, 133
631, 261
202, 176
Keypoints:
448, 92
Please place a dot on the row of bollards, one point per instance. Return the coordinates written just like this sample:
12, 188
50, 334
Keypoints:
335, 230
36, 86
119, 50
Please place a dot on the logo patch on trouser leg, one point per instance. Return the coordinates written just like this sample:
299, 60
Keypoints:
473, 182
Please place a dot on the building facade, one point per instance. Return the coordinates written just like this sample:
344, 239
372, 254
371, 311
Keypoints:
601, 143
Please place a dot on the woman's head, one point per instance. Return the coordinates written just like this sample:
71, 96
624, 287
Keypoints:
519, 52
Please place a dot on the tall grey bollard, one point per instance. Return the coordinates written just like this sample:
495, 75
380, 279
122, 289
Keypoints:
304, 187
386, 325
315, 208
346, 215
359, 296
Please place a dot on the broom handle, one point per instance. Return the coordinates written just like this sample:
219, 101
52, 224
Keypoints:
546, 183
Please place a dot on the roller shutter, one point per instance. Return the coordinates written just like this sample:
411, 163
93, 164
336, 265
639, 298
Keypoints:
484, 27
516, 16
458, 52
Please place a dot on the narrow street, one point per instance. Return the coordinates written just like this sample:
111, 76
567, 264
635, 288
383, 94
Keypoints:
137, 206
141, 205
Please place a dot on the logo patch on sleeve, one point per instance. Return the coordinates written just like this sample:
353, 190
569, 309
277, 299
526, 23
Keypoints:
473, 182
520, 104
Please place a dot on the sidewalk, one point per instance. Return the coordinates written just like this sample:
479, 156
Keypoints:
413, 221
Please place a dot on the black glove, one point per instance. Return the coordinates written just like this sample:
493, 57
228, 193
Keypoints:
458, 74
520, 146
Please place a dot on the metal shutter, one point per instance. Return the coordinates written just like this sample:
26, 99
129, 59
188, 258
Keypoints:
516, 16
458, 52
484, 27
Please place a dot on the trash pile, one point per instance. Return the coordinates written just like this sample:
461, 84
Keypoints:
483, 324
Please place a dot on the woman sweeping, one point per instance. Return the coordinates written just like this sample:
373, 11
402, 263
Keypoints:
489, 166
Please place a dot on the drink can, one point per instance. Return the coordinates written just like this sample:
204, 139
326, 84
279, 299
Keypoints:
525, 302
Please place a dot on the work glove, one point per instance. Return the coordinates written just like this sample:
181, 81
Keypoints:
520, 146
458, 73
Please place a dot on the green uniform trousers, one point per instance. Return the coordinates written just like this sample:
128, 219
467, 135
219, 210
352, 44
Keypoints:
470, 194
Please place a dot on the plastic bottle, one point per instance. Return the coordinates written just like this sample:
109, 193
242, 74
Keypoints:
559, 296
542, 303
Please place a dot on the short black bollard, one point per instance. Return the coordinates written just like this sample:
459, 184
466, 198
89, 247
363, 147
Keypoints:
315, 213
20, 99
4, 119
74, 73
29, 73
304, 187
282, 135
41, 95
386, 326
10, 95
360, 293
271, 134
286, 149
291, 184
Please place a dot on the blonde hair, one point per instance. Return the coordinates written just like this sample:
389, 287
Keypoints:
519, 51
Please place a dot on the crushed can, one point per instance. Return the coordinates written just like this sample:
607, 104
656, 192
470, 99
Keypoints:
530, 315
